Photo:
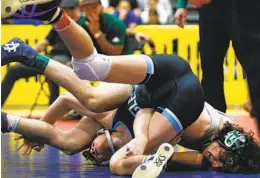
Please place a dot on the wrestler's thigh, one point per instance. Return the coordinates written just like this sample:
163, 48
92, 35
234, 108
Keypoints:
112, 95
160, 131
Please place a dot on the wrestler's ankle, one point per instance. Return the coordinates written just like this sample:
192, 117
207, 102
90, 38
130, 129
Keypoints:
42, 62
60, 20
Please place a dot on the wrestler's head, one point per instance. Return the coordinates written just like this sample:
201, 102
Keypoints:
104, 146
233, 150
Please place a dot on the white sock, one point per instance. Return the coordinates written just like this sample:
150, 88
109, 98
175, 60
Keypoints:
12, 122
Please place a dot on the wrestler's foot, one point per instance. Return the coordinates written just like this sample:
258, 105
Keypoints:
3, 122
154, 165
17, 51
44, 10
9, 7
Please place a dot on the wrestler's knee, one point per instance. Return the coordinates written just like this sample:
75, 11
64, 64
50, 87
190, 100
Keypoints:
65, 97
95, 67
93, 104
90, 101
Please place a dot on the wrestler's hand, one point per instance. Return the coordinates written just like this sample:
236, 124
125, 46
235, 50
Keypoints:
27, 146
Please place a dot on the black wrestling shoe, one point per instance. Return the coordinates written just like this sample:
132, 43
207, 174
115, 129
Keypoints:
45, 10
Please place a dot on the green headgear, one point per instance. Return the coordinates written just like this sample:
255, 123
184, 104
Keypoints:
233, 140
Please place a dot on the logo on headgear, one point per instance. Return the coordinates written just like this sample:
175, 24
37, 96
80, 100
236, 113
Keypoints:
233, 140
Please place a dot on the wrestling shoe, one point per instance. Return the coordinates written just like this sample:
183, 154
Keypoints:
18, 51
45, 10
3, 122
9, 7
154, 165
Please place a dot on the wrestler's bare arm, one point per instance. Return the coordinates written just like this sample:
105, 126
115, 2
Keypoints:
118, 163
70, 142
191, 159
67, 141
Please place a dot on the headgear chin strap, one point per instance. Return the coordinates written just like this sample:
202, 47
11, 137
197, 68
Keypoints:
110, 142
233, 140
109, 139
89, 156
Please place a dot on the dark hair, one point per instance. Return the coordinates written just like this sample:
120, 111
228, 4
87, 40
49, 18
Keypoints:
245, 160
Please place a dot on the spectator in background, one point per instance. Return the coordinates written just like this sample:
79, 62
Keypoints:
107, 31
59, 53
113, 4
125, 14
157, 12
165, 4
105, 4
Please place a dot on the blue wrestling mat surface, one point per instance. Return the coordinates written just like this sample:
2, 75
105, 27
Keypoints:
51, 163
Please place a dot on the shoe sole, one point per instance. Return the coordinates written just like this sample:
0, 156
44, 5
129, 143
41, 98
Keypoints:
152, 169
9, 7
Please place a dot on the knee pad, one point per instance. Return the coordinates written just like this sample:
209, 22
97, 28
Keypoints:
95, 67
